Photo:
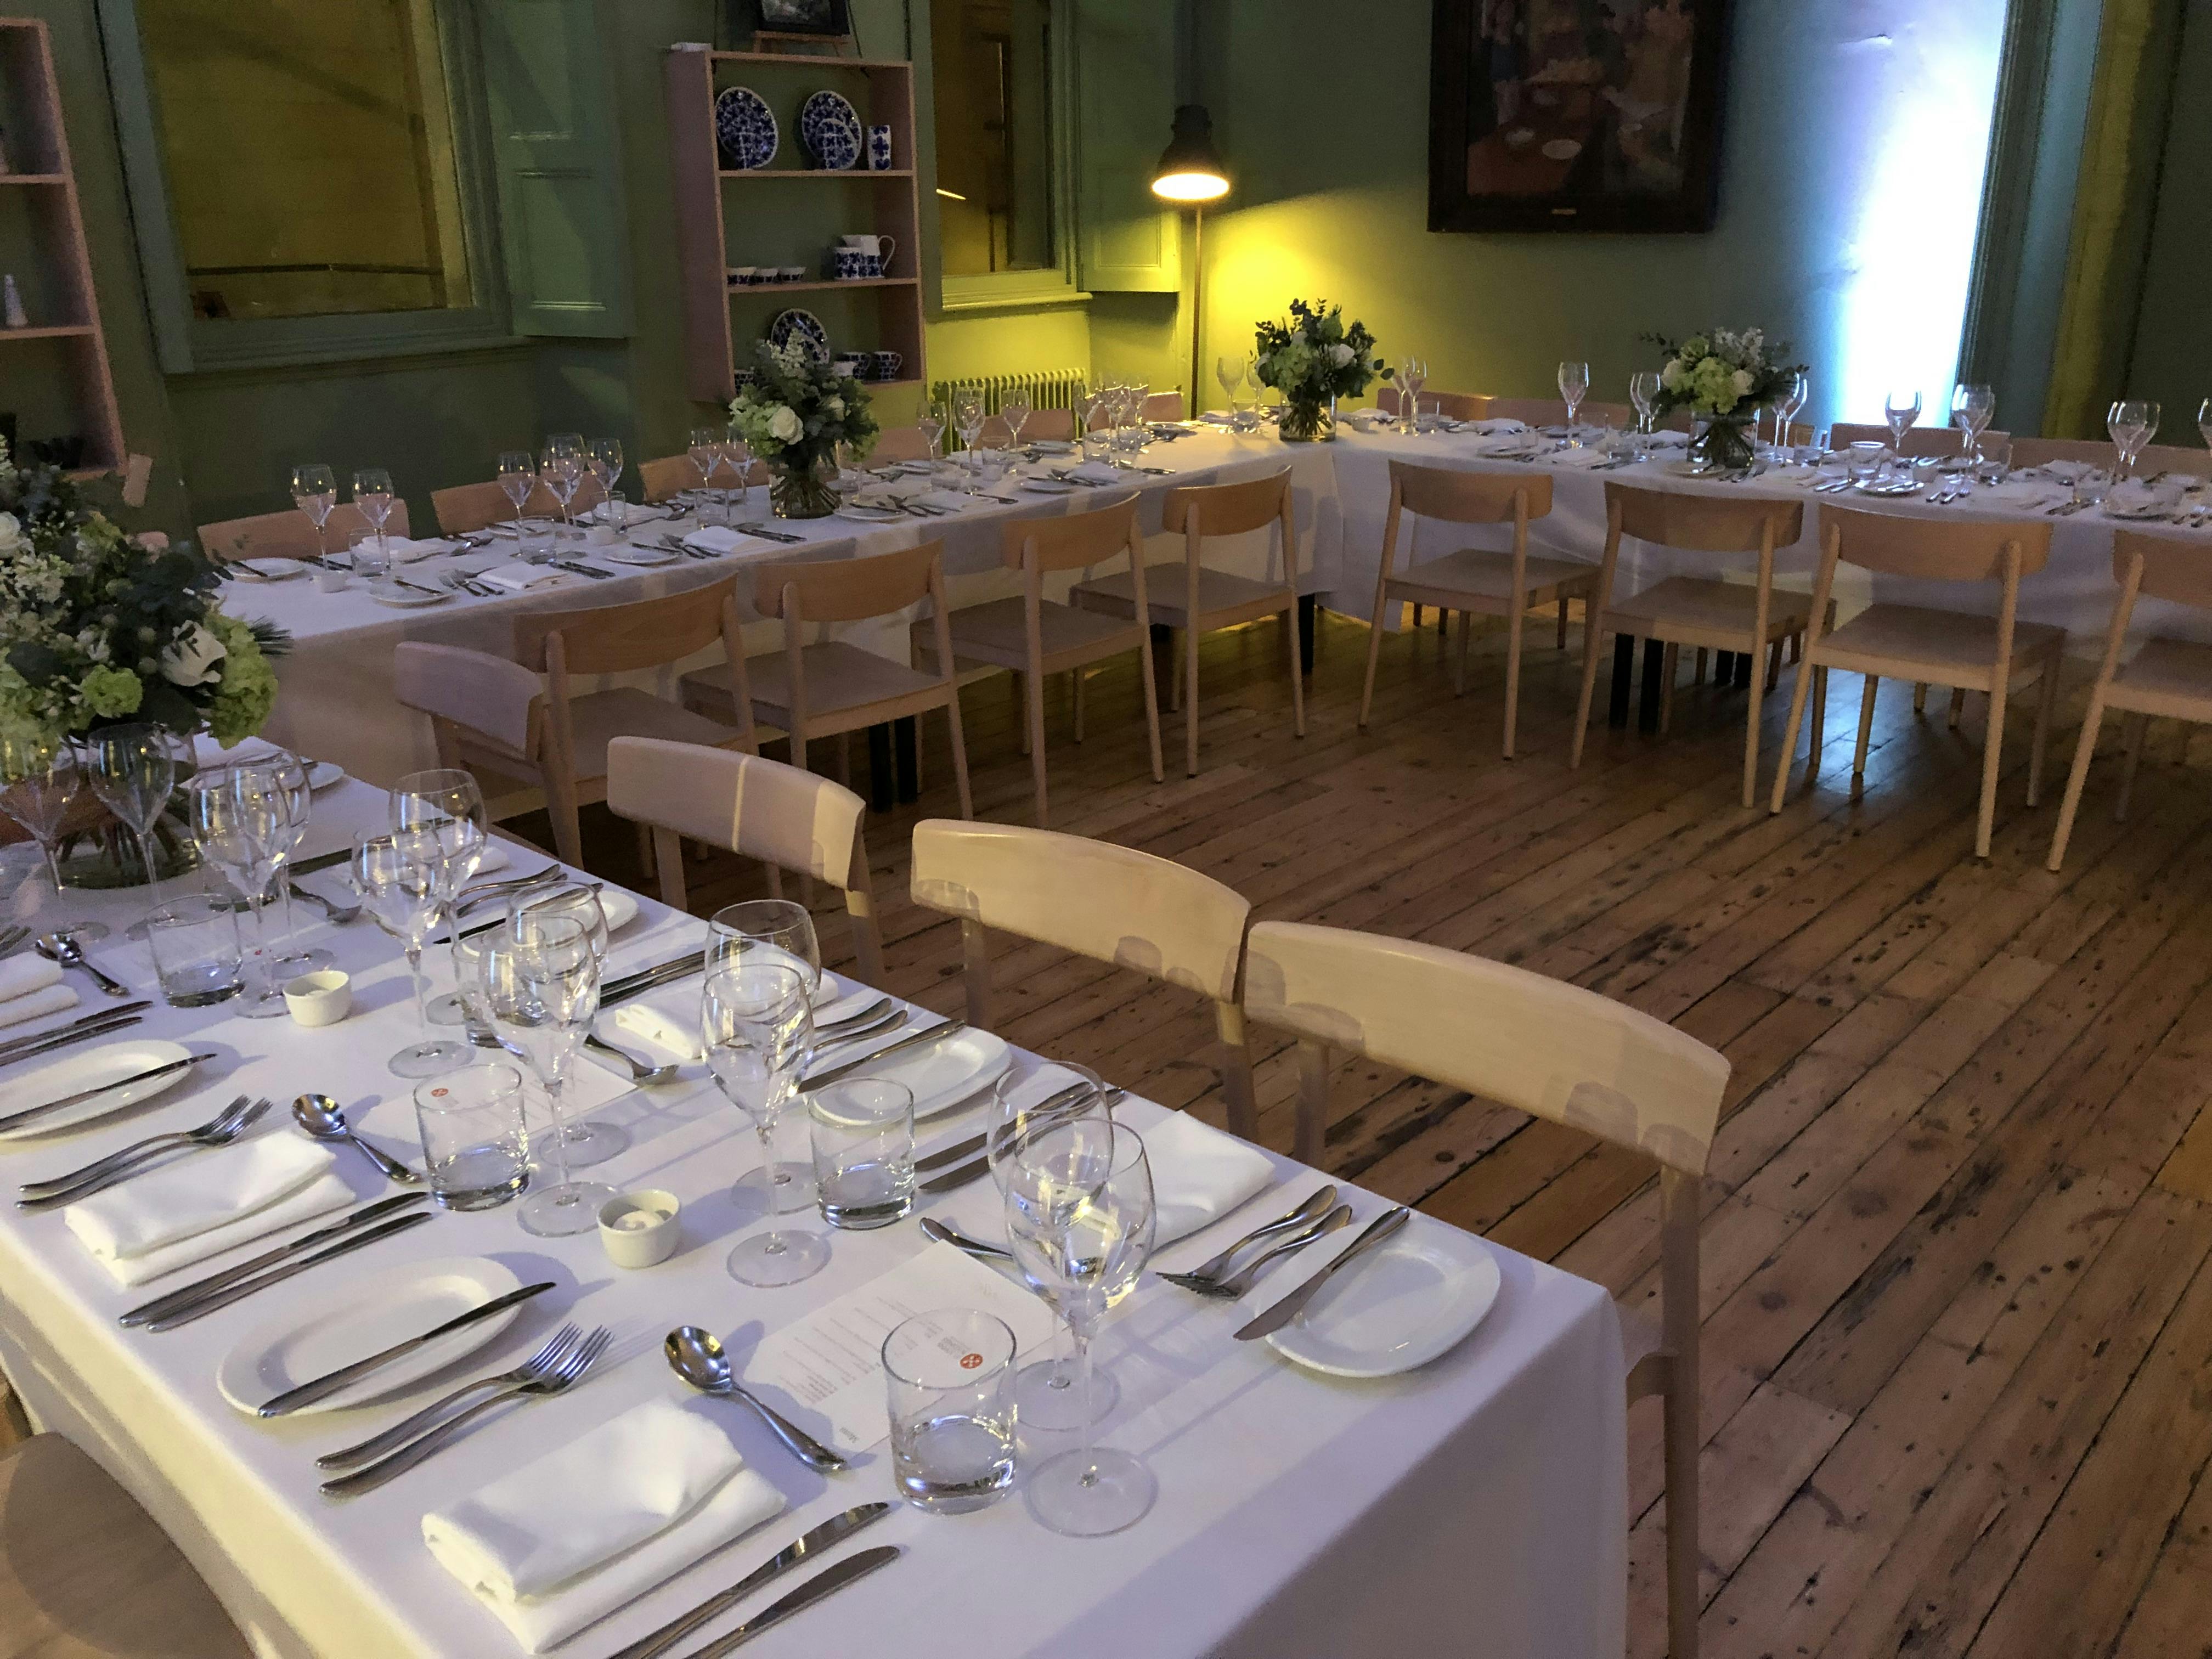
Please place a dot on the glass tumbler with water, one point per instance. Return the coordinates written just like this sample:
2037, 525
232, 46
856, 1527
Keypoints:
473, 1138
951, 1415
862, 1131
199, 955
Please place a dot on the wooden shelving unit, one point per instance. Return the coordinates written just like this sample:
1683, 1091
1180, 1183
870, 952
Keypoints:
58, 384
717, 230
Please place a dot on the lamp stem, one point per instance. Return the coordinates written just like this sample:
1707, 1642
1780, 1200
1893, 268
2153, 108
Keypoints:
1197, 300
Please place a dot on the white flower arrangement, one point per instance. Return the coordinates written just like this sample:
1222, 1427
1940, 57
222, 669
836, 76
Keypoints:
1725, 375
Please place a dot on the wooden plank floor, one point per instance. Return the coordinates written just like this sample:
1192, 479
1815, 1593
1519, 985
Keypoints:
1958, 1257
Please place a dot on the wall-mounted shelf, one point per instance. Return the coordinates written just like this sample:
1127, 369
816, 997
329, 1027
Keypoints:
825, 285
818, 172
68, 332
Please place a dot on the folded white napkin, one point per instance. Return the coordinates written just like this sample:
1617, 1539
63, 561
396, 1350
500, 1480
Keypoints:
1494, 428
516, 577
718, 538
1095, 472
1576, 459
2023, 492
404, 551
30, 989
37, 1005
1199, 1173
2137, 495
1666, 437
1509, 443
565, 1540
189, 1210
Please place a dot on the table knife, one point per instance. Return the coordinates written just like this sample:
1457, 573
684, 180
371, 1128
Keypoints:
224, 1298
806, 1549
823, 1584
108, 1022
653, 982
323, 1387
33, 1114
171, 1300
330, 860
948, 1028
95, 1016
1292, 1306
639, 978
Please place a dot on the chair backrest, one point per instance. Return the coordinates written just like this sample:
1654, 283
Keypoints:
1551, 1049
291, 535
472, 507
759, 809
1056, 424
1939, 441
2154, 458
473, 690
900, 443
2174, 566
1706, 524
1228, 509
1452, 405
847, 590
1934, 550
621, 639
1461, 497
667, 476
1164, 405
1552, 411
1074, 542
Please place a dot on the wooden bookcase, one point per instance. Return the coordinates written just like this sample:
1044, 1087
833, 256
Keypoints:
791, 213
54, 376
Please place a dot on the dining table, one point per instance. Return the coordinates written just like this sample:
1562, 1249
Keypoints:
1474, 1504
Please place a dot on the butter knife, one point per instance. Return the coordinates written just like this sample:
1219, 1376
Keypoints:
177, 1298
33, 1114
323, 1387
806, 1549
823, 1584
224, 1298
950, 1028
1292, 1306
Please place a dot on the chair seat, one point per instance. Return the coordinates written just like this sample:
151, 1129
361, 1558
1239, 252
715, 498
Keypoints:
2167, 677
839, 676
598, 717
998, 632
1486, 577
1167, 588
1920, 642
1698, 605
86, 1574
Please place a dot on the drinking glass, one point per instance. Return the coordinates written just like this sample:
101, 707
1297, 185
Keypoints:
705, 449
1643, 389
1994, 461
2132, 423
968, 419
1900, 409
1972, 406
372, 494
861, 1130
592, 1141
1230, 369
1413, 376
198, 955
2205, 422
936, 415
605, 457
541, 982
1864, 460
239, 815
1793, 398
562, 477
315, 493
474, 1141
370, 558
1014, 409
292, 773
1574, 387
447, 806
398, 878
39, 778
517, 479
766, 930
951, 1415
1428, 414
1079, 1221
132, 769
534, 540
757, 1024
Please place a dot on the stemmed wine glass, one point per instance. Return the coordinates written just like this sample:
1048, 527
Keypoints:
517, 479
704, 449
372, 494
1574, 387
1972, 406
399, 877
133, 768
292, 773
541, 987
562, 470
445, 806
238, 816
1900, 409
605, 457
2205, 422
936, 415
2132, 423
736, 456
591, 1142
1643, 394
756, 1023
968, 418
1014, 409
315, 493
1230, 369
1793, 398
39, 778
765, 930
1413, 376
1080, 1219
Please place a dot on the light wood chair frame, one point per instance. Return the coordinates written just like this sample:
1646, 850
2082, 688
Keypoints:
462, 508
291, 535
1452, 405
496, 721
1944, 442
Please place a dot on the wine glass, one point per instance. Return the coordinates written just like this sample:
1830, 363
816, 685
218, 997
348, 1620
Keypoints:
756, 1024
561, 480
399, 877
2205, 422
132, 769
315, 493
39, 780
1230, 369
2132, 423
1643, 394
936, 415
238, 816
705, 447
517, 479
1014, 409
1972, 406
1080, 1219
1900, 409
593, 1141
292, 773
734, 454
605, 457
372, 494
968, 419
446, 805
1574, 387
1413, 376
541, 987
1793, 398
766, 930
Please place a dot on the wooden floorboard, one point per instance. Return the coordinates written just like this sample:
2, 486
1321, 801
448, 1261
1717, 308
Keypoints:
1957, 1252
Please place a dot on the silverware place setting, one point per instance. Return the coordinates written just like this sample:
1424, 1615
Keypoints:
99, 1022
321, 1118
695, 1355
1206, 1278
371, 1217
63, 949
225, 1126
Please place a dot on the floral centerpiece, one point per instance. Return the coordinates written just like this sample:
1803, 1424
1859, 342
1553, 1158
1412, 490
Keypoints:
1313, 359
794, 413
1726, 379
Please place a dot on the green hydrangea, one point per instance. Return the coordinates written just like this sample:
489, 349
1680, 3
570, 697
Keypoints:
247, 691
111, 692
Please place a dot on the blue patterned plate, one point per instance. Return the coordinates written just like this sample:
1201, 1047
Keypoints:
801, 326
744, 126
829, 127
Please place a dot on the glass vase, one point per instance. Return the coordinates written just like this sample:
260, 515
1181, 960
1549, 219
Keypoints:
1723, 447
1308, 421
802, 490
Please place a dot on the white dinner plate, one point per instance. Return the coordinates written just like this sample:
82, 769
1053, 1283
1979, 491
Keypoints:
872, 514
89, 1070
1562, 149
373, 1315
635, 554
2157, 510
321, 775
945, 1072
1902, 487
1409, 1299
406, 599
276, 570
1050, 486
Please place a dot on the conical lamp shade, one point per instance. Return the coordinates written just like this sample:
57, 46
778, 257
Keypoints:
1190, 169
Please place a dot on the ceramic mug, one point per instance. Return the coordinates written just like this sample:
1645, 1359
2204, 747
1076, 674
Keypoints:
881, 247
884, 365
880, 149
745, 275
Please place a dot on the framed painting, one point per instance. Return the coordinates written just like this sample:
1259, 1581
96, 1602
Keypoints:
1575, 114
806, 16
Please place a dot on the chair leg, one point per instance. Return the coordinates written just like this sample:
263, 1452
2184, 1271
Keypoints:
1374, 654
1669, 665
1589, 692
1798, 645
2084, 748
1174, 673
2045, 707
1312, 1130
1188, 656
1958, 704
1702, 654
1297, 669
1458, 655
1077, 676
1022, 702
1562, 621
1151, 712
1985, 819
1819, 719
1513, 675
1033, 740
1797, 696
645, 839
2137, 727
1773, 667
1751, 749
671, 847
1417, 616
1680, 1402
1920, 696
1441, 615
1866, 732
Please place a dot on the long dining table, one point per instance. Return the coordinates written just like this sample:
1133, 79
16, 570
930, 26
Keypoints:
1474, 1505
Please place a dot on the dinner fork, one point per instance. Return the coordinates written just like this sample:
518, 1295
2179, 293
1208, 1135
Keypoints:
544, 1362
225, 1126
563, 1375
1309, 1209
1230, 1289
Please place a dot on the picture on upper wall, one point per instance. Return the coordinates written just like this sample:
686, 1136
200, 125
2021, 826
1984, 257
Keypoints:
1575, 114
806, 16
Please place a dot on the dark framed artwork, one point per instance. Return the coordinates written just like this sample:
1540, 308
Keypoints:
806, 16
1575, 114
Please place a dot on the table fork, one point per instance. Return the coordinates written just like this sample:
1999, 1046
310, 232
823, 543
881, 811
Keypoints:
543, 1364
563, 1375
1229, 1289
225, 1126
1311, 1208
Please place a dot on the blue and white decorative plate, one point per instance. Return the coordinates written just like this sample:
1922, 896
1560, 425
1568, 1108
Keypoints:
829, 127
745, 128
803, 325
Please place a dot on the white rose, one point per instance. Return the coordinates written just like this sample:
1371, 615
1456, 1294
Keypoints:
194, 658
833, 406
11, 533
1742, 380
1339, 355
784, 426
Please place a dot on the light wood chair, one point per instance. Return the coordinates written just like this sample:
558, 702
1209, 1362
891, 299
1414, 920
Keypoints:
488, 715
2154, 459
1033, 636
1474, 581
665, 476
1701, 612
899, 443
1552, 411
1452, 405
1053, 425
757, 808
1927, 645
1556, 1052
830, 688
291, 535
86, 1574
1164, 405
1943, 441
2167, 678
1110, 903
1198, 600
479, 505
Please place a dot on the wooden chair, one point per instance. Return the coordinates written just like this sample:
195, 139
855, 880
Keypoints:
2154, 459
1053, 425
1033, 636
1452, 405
666, 477
291, 535
1164, 405
1699, 612
86, 1574
2171, 680
830, 688
1552, 411
900, 443
1556, 1052
1924, 644
757, 808
479, 505
1474, 581
1203, 599
1943, 441
1110, 903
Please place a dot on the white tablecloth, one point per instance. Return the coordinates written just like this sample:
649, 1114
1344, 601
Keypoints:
1476, 1507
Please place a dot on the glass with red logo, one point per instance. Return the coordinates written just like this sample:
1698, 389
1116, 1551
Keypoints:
473, 1138
951, 1411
